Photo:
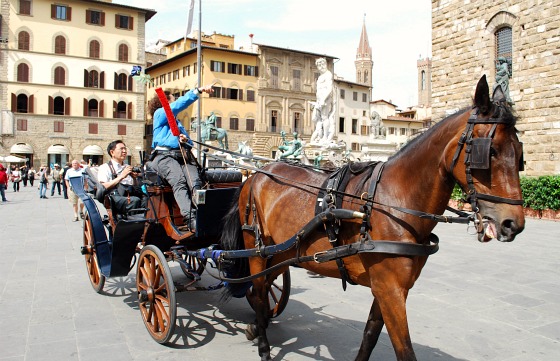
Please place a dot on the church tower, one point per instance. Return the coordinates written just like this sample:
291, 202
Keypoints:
364, 62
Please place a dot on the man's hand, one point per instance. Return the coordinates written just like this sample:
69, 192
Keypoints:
126, 171
206, 89
183, 138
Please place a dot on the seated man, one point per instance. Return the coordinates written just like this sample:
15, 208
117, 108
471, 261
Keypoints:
166, 157
119, 179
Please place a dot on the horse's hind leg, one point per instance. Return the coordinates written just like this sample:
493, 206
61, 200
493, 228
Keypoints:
374, 325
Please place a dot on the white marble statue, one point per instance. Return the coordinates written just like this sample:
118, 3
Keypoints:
323, 108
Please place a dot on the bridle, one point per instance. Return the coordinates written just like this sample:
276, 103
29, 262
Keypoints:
477, 156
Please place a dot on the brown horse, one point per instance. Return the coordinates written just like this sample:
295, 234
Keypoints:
281, 200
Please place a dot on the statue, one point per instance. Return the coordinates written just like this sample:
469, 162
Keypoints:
209, 131
376, 126
244, 149
291, 148
323, 108
318, 159
502, 77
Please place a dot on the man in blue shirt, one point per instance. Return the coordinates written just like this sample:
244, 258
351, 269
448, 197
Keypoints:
166, 156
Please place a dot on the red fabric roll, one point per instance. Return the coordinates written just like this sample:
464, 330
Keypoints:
170, 117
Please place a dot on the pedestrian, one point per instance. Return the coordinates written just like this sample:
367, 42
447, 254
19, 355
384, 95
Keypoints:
166, 156
74, 171
43, 182
16, 178
63, 176
31, 176
3, 182
23, 170
56, 178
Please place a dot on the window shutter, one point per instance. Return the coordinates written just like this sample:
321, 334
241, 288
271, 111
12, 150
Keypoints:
102, 80
14, 103
129, 83
85, 107
129, 111
245, 67
31, 103
101, 109
223, 93
102, 19
114, 109
116, 21
53, 11
240, 94
51, 105
116, 81
67, 106
69, 13
130, 20
256, 71
85, 78
88, 16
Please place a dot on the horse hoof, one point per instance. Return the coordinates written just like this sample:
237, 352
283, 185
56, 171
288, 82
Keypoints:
251, 332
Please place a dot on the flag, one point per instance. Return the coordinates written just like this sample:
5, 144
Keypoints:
189, 20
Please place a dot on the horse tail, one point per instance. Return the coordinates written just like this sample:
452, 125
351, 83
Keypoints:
232, 239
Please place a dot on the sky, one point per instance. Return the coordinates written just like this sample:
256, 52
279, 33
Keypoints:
399, 33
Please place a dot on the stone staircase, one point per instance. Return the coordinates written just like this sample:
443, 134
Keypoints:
260, 145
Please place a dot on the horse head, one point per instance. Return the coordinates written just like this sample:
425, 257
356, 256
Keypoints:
486, 164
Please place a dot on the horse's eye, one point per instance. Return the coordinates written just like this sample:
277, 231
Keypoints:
493, 152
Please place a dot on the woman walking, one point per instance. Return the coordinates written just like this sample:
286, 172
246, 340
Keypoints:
16, 178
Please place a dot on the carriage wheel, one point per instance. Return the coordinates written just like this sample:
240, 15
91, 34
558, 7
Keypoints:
96, 279
156, 294
278, 294
196, 264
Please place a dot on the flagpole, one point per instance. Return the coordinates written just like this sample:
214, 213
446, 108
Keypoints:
199, 81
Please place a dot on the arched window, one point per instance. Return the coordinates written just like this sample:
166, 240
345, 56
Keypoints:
366, 77
60, 45
23, 40
121, 82
93, 108
58, 106
121, 109
93, 79
123, 52
22, 103
23, 73
504, 46
94, 49
423, 75
59, 76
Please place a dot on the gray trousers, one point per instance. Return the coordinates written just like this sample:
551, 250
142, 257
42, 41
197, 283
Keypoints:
181, 177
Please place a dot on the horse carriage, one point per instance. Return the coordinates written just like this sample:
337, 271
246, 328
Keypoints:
366, 223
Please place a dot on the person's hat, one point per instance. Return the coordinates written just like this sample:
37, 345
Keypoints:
56, 165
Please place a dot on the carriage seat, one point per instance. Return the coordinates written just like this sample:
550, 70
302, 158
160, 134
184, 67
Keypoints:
211, 176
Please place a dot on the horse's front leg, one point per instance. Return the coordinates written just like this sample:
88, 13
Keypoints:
374, 325
259, 301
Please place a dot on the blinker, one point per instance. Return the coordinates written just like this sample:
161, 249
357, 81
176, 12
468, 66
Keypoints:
521, 160
480, 153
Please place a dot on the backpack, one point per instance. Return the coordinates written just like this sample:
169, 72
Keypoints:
43, 177
94, 186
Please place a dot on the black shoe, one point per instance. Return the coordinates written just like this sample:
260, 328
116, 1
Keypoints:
189, 222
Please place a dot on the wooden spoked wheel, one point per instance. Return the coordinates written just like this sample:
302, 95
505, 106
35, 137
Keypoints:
96, 279
156, 294
278, 291
196, 265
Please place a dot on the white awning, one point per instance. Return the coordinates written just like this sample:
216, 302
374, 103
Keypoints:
92, 150
58, 149
21, 148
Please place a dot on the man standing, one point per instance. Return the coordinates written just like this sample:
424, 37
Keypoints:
167, 158
56, 177
3, 183
119, 179
63, 176
75, 171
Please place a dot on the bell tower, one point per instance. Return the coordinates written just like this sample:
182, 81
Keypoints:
364, 62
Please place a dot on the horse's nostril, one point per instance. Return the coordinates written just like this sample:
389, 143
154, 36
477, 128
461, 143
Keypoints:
509, 227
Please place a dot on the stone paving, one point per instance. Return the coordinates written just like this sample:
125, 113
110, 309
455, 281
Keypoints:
473, 301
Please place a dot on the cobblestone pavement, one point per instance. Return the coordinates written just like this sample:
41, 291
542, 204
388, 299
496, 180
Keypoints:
473, 301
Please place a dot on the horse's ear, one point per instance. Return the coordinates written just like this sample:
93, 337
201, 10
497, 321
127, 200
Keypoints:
498, 95
482, 96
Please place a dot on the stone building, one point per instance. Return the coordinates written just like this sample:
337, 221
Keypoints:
65, 84
467, 39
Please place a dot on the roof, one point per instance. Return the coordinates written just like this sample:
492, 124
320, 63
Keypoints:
149, 12
383, 101
295, 51
342, 80
403, 119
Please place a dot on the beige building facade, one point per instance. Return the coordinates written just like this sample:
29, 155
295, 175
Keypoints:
65, 84
467, 39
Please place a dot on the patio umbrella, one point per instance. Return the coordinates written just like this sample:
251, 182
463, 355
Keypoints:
13, 159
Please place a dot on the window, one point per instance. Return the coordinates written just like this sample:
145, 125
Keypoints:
123, 22
94, 49
355, 96
234, 123
60, 45
423, 80
59, 75
92, 79
123, 53
403, 131
25, 7
364, 129
296, 74
175, 74
22, 125
120, 81
341, 125
217, 92
250, 95
392, 130
92, 109
186, 70
355, 146
93, 128
94, 17
169, 76
250, 125
274, 76
23, 73
297, 123
234, 68
57, 106
504, 46
121, 129
218, 66
120, 110
364, 98
23, 40
59, 126
354, 126
233, 93
342, 93
273, 120
61, 12
251, 70
22, 104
